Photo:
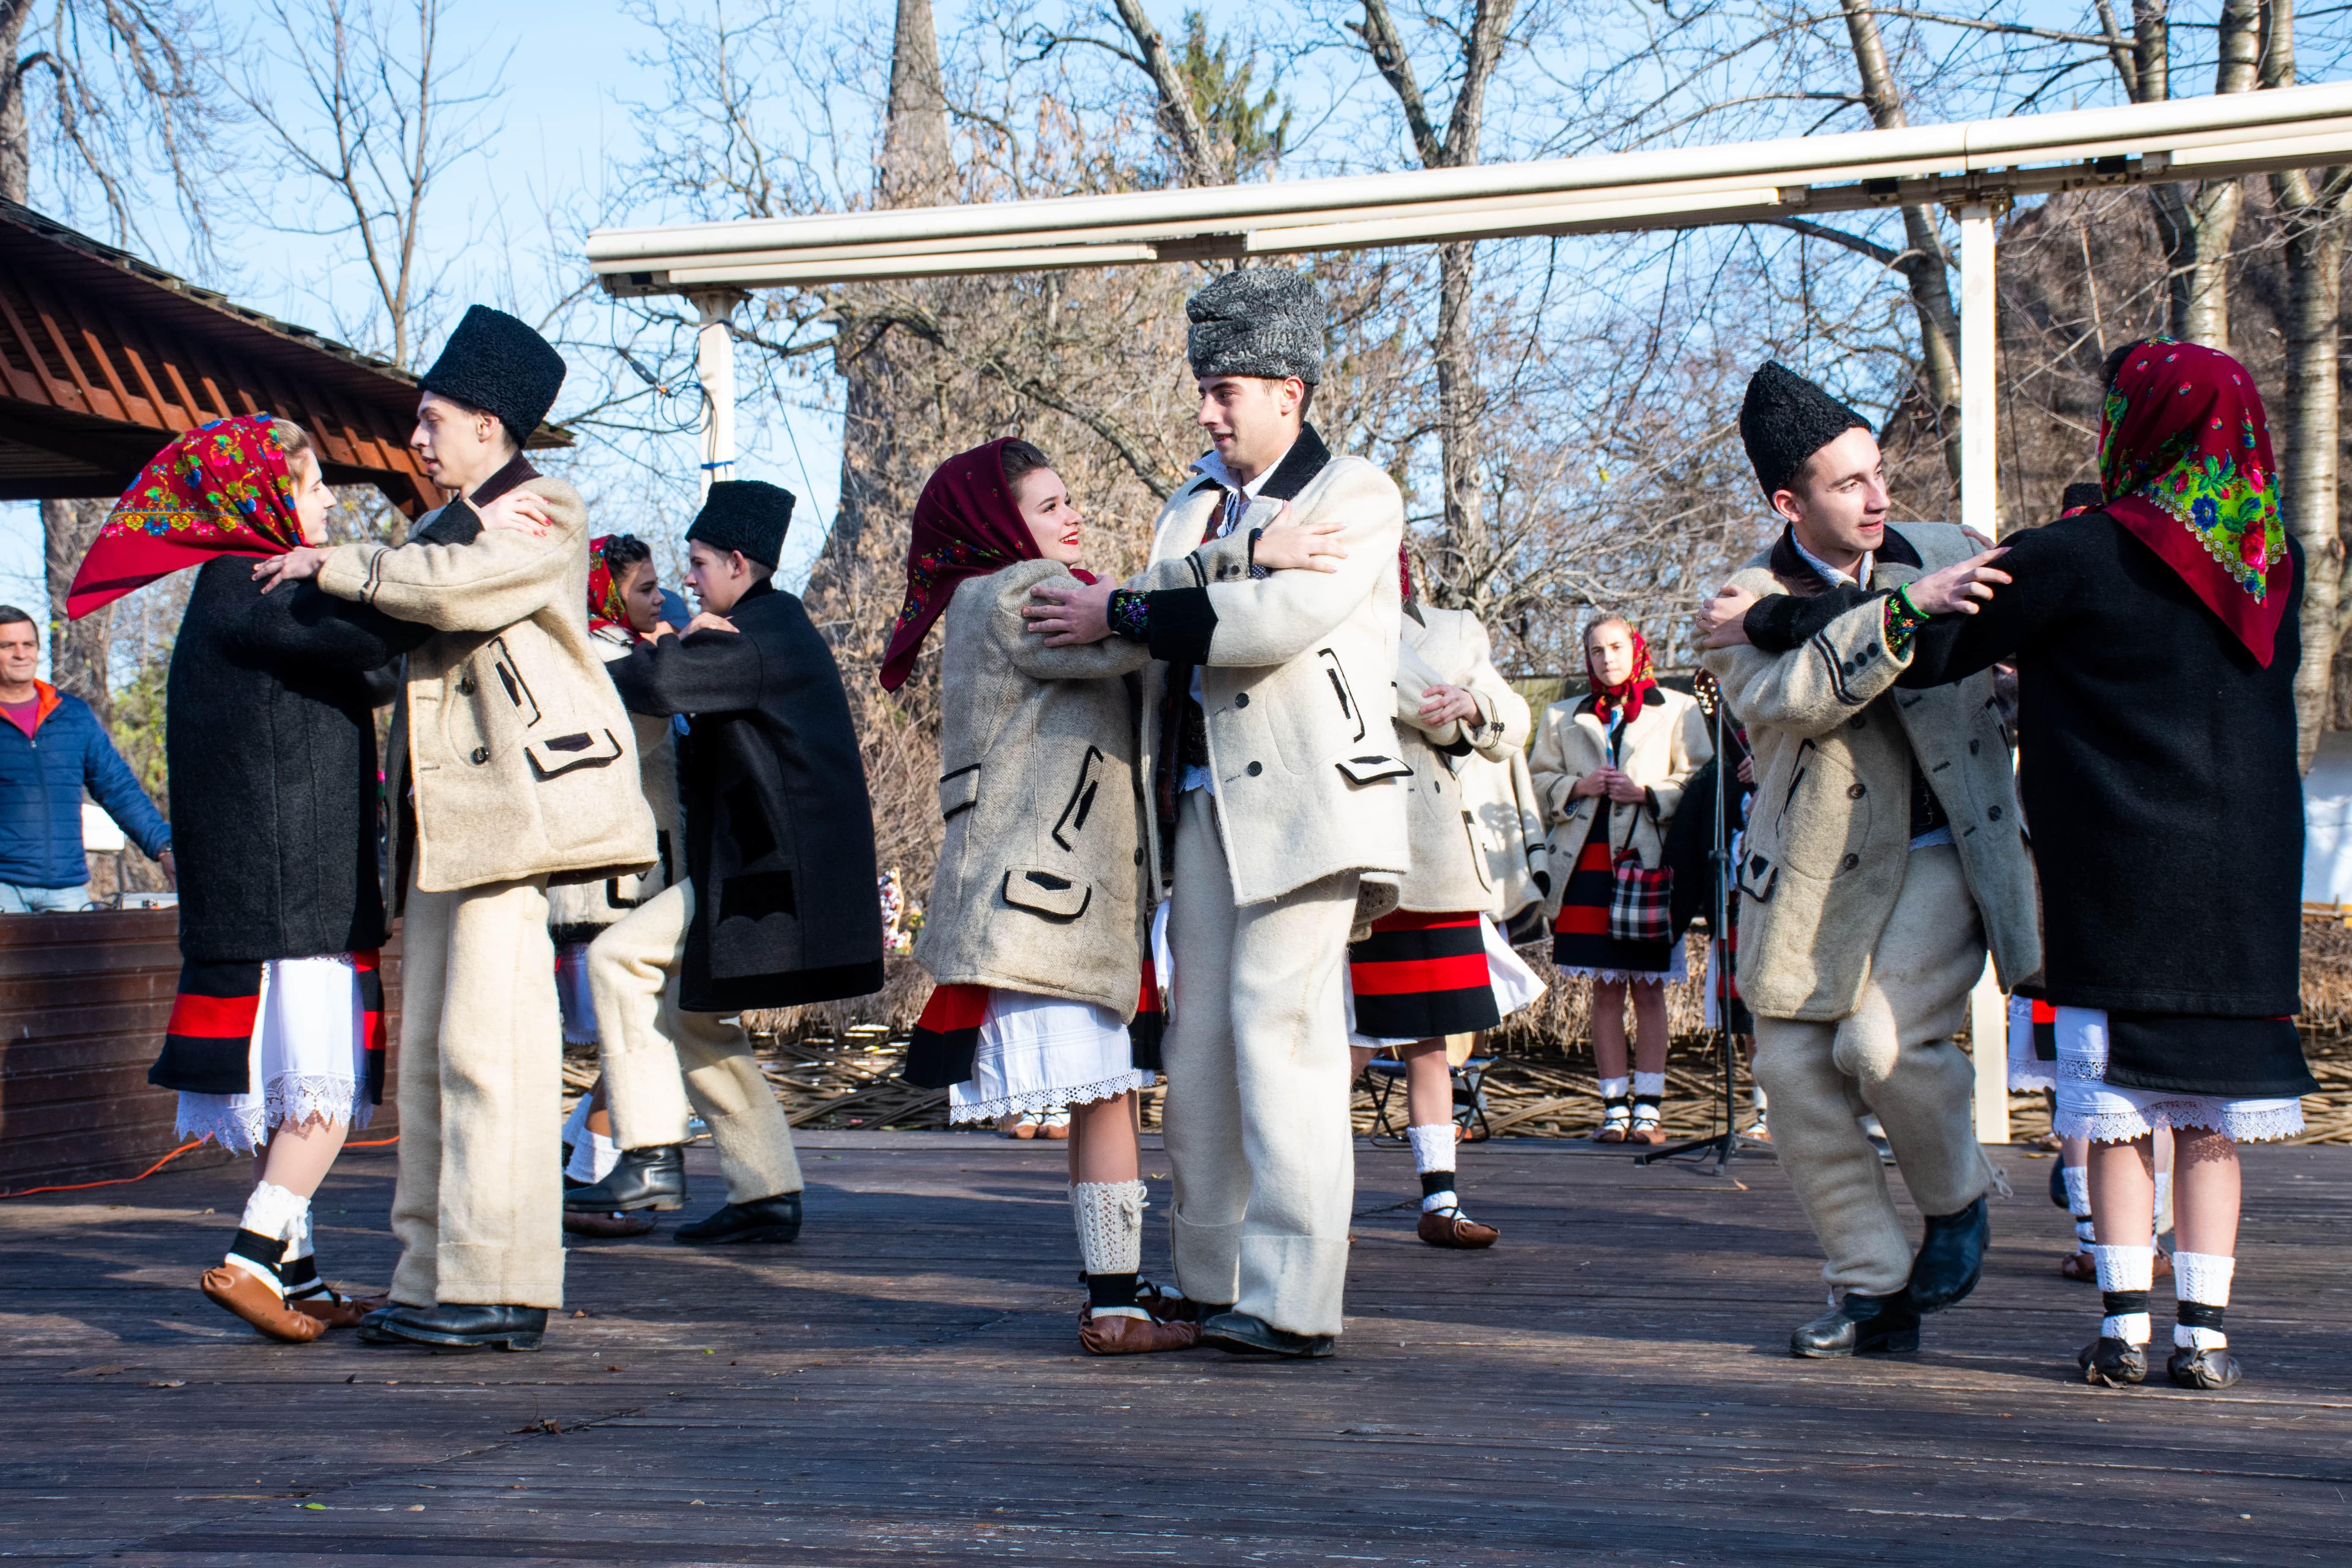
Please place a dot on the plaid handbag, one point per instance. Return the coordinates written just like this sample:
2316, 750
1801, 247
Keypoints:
1639, 901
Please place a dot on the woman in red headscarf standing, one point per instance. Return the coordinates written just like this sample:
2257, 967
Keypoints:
1610, 768
2156, 644
275, 1040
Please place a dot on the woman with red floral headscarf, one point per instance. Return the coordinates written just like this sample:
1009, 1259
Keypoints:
2156, 644
275, 1040
1610, 769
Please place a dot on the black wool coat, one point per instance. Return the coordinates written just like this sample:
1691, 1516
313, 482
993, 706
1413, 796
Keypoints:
779, 830
2158, 769
270, 735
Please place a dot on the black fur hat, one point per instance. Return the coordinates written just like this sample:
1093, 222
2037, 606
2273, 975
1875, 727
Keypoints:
1261, 321
1785, 420
496, 363
748, 515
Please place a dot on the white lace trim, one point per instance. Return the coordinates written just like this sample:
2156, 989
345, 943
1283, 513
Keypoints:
2023, 1077
243, 1121
2240, 1121
1624, 976
1037, 1101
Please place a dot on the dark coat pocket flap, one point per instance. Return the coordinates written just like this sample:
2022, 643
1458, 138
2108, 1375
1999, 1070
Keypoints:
958, 791
1371, 768
559, 754
1043, 892
1757, 875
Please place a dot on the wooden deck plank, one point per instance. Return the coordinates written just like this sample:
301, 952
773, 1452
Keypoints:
902, 1387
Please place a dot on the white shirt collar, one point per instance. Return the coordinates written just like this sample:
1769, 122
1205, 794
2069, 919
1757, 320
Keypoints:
1836, 579
1213, 466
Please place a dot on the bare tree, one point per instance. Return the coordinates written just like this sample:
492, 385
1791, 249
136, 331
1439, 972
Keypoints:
377, 120
102, 92
1465, 550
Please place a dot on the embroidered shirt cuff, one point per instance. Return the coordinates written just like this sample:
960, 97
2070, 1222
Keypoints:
1129, 614
1181, 623
1903, 621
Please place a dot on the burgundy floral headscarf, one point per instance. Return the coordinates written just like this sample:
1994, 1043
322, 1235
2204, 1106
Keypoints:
966, 525
2185, 460
219, 489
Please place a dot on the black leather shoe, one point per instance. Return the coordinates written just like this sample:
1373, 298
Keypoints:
763, 1219
1245, 1335
463, 1324
1951, 1257
1860, 1325
2113, 1362
2214, 1368
644, 1179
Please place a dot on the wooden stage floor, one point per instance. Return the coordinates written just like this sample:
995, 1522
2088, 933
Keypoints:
904, 1387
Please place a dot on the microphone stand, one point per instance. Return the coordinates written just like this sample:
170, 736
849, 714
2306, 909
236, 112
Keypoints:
1731, 1141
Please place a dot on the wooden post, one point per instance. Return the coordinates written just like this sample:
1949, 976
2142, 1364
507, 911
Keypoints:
1979, 482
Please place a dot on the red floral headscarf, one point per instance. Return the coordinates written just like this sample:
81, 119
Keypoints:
606, 606
1632, 691
220, 489
2185, 460
966, 525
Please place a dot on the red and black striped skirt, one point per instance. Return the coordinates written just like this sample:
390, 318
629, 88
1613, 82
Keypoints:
1420, 976
1579, 934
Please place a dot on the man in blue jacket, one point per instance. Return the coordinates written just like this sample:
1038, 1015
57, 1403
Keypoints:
52, 747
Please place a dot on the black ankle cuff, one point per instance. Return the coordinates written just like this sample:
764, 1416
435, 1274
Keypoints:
2200, 1315
255, 1247
299, 1271
2122, 1303
1435, 1182
1111, 1289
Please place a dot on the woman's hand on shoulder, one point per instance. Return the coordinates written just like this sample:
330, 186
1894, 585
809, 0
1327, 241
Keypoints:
518, 511
1442, 704
1288, 544
1721, 620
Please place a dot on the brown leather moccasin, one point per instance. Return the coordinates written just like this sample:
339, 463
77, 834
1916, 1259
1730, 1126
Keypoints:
2079, 1266
339, 1311
239, 1291
1448, 1228
1134, 1336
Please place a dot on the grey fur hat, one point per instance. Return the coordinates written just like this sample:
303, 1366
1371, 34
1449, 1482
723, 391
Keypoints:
1785, 420
1261, 321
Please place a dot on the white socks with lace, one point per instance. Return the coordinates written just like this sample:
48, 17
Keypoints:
1109, 1216
2078, 1204
1432, 1157
2200, 1285
272, 1214
2125, 1275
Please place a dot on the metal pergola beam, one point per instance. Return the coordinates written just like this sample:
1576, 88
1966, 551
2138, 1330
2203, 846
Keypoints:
1987, 161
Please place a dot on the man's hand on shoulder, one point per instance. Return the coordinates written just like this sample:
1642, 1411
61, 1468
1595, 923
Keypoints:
299, 564
707, 622
1067, 615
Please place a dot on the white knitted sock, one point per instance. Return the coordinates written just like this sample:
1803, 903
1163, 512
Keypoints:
2201, 1280
2124, 1270
1109, 1218
272, 1213
2078, 1203
1649, 1085
1616, 1088
1433, 1152
594, 1155
575, 1126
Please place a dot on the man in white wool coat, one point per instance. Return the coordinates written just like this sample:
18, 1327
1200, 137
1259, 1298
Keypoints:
1277, 812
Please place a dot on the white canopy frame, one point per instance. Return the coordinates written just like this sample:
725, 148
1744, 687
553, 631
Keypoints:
1976, 168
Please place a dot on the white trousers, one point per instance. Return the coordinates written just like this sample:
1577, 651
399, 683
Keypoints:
1894, 1057
478, 1209
658, 1057
1256, 1125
